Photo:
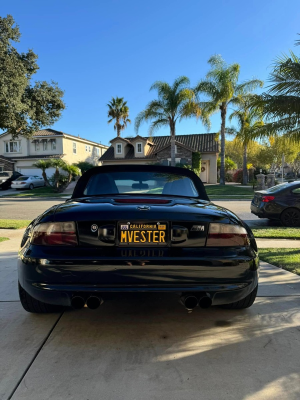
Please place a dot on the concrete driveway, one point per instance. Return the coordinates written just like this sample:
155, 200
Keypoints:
149, 347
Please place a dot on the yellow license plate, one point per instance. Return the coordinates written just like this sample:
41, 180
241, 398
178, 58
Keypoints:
139, 233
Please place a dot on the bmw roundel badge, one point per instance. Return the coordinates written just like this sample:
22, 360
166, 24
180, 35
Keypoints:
94, 228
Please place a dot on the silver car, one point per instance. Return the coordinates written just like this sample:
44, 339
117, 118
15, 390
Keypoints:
27, 182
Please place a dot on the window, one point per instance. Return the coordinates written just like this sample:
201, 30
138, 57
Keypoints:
53, 144
176, 152
74, 148
98, 151
37, 146
89, 149
139, 147
12, 147
119, 148
135, 182
1, 169
296, 191
86, 148
45, 145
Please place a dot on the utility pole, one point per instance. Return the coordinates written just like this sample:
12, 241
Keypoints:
282, 163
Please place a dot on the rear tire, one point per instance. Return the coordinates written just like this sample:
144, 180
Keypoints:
244, 303
290, 217
35, 306
31, 186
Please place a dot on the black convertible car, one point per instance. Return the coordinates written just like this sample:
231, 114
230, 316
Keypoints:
137, 229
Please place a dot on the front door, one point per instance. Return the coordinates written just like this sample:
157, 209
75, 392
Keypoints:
204, 172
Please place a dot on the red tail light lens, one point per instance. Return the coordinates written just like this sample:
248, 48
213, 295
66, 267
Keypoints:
55, 234
267, 199
225, 235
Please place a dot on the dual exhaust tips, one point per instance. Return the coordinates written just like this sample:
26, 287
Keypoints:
191, 301
92, 302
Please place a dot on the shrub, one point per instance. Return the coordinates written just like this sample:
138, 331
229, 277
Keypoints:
228, 177
84, 166
238, 176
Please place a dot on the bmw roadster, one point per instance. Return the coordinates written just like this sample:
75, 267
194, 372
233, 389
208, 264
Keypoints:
137, 229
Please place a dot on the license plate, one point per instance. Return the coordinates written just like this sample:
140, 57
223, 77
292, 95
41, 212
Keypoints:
143, 233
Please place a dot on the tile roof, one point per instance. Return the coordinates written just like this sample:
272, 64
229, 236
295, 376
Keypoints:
202, 142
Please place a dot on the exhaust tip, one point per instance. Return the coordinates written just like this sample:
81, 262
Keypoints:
94, 302
189, 302
77, 302
205, 302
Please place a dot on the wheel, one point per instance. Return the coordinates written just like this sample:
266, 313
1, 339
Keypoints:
31, 186
244, 303
290, 217
35, 306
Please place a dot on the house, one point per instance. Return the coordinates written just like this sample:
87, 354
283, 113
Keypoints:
21, 153
157, 149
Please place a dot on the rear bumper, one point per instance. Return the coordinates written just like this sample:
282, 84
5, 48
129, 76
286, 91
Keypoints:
226, 277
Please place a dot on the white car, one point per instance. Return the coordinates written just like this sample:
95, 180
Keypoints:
27, 182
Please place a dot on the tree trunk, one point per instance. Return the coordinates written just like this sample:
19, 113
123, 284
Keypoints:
47, 183
172, 131
245, 171
64, 186
223, 108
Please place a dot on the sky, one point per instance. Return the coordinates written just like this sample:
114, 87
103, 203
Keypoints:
99, 49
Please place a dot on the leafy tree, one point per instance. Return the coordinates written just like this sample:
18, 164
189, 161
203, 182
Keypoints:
221, 87
118, 111
248, 120
229, 164
273, 149
281, 103
84, 166
25, 107
234, 150
58, 182
174, 103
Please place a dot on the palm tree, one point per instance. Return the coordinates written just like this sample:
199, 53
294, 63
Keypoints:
281, 103
174, 103
248, 121
221, 87
43, 165
118, 111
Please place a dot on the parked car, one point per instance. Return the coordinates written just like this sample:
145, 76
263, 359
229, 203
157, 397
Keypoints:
135, 229
7, 177
290, 175
281, 202
27, 182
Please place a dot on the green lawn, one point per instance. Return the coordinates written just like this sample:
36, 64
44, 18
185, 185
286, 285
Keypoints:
277, 233
288, 259
14, 223
2, 239
38, 192
228, 190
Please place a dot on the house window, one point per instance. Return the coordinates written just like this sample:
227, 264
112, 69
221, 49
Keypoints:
1, 168
176, 150
74, 148
139, 147
12, 147
119, 148
86, 148
53, 144
98, 151
45, 145
37, 146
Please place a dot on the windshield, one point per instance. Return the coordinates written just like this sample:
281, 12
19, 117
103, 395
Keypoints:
22, 178
281, 186
144, 182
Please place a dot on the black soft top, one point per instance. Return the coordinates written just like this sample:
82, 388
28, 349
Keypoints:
82, 182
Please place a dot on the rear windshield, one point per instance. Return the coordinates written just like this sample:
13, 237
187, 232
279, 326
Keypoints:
22, 178
281, 186
140, 183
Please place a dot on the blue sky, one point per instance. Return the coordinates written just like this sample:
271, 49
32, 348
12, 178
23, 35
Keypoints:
99, 49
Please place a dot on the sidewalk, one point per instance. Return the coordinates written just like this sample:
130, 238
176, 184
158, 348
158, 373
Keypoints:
278, 244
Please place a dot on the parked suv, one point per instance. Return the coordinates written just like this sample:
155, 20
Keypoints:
6, 178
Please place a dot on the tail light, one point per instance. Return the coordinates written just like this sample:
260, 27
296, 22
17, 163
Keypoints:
225, 235
55, 234
267, 199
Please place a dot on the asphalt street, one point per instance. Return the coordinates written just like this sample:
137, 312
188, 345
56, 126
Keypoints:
31, 208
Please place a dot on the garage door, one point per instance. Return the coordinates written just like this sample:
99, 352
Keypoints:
36, 171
